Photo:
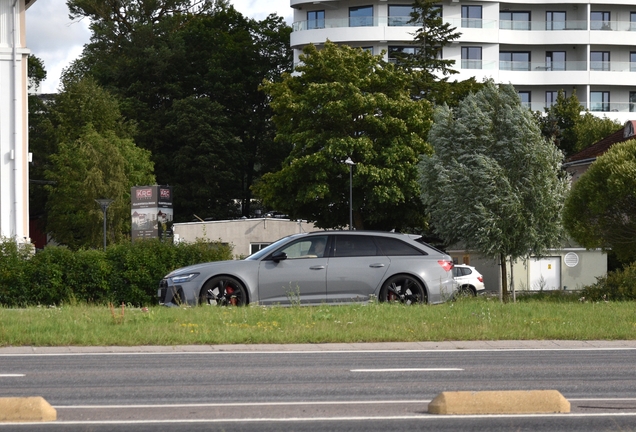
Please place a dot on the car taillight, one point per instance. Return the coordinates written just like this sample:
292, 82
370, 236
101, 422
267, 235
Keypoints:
446, 265
480, 279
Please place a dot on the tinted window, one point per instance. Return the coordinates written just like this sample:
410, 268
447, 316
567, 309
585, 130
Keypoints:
353, 245
313, 247
394, 247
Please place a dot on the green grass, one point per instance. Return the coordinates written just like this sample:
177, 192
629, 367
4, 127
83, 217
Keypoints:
543, 317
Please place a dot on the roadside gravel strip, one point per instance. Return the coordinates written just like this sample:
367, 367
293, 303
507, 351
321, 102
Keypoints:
333, 347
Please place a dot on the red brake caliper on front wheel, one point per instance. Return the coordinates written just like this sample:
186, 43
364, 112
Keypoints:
229, 291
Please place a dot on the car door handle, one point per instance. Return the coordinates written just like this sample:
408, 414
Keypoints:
317, 267
378, 265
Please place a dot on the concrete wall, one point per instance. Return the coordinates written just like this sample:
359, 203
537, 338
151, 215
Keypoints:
241, 233
591, 265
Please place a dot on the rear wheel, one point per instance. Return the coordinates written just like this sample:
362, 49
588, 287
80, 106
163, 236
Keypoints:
223, 291
466, 291
402, 289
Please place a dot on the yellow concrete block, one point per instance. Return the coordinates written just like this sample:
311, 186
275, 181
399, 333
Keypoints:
26, 409
499, 402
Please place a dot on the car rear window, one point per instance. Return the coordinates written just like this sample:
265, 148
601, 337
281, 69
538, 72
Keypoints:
395, 247
354, 245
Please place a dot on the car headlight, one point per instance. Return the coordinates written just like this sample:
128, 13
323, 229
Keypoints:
184, 277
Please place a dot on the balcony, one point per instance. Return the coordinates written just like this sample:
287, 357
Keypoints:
404, 21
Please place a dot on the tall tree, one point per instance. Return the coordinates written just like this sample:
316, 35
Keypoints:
600, 211
427, 65
493, 184
95, 157
162, 60
570, 130
345, 102
428, 62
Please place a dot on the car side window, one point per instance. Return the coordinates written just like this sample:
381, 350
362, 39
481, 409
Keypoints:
395, 247
354, 245
313, 247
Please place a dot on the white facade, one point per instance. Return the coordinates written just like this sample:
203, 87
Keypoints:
245, 235
14, 156
538, 46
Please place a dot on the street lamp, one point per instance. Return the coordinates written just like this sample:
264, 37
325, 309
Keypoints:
351, 164
104, 203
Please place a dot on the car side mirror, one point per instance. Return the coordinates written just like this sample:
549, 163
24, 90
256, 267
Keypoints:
279, 256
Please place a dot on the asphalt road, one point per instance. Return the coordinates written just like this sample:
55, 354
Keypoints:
358, 387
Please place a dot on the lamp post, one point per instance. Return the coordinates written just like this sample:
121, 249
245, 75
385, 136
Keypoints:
104, 203
351, 164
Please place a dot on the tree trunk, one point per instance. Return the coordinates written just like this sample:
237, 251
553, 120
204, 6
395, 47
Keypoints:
504, 279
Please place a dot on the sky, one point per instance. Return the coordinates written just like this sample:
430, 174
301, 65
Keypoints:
58, 40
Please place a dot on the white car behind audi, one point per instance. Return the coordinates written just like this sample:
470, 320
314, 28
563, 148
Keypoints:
468, 279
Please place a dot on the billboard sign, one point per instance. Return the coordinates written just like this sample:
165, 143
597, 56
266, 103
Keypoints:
151, 211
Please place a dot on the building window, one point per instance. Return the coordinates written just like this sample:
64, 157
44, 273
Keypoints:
471, 57
518, 61
315, 19
399, 15
555, 60
396, 53
600, 60
554, 20
255, 247
471, 16
551, 97
632, 61
361, 16
514, 20
599, 101
526, 100
600, 21
632, 101
632, 21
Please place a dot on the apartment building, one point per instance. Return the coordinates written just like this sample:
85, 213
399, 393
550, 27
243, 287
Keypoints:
14, 163
540, 47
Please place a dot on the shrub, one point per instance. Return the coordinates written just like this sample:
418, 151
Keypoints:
13, 277
138, 267
616, 285
126, 272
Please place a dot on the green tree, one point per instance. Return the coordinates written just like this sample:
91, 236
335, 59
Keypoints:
590, 129
600, 211
345, 102
41, 141
162, 60
570, 130
95, 157
493, 184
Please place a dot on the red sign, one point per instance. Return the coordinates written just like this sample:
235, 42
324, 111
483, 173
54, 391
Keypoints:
144, 193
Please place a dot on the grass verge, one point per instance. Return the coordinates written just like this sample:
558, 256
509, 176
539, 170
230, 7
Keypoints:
467, 319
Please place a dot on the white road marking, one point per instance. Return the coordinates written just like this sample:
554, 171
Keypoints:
11, 375
430, 417
235, 404
409, 370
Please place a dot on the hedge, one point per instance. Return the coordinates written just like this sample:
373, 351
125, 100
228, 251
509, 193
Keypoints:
126, 272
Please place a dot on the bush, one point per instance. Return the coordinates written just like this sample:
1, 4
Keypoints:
13, 278
616, 285
126, 272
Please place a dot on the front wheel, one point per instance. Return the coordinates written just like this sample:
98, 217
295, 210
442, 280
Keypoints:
223, 291
402, 289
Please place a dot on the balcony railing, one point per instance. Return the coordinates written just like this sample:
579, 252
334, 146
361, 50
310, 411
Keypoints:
543, 66
594, 106
404, 21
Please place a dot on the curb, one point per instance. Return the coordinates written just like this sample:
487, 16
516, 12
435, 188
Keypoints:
26, 409
499, 402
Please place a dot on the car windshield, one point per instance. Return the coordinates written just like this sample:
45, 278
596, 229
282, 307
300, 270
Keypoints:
267, 250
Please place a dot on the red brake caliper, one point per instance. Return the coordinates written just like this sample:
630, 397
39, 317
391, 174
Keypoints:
229, 290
